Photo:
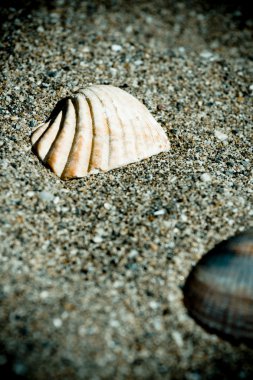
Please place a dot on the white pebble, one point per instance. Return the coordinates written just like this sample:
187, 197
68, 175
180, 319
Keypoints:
46, 196
113, 71
220, 135
177, 338
40, 29
44, 294
159, 212
205, 177
4, 164
57, 322
138, 62
157, 323
116, 48
65, 315
181, 50
206, 54
184, 218
82, 330
114, 323
97, 239
251, 87
30, 194
86, 49
133, 253
154, 304
56, 200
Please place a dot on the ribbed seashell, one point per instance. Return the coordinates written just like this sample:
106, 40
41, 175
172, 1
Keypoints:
99, 129
218, 292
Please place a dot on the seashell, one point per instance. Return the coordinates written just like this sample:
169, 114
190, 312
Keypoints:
218, 292
99, 129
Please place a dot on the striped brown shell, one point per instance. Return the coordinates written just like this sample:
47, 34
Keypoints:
218, 292
99, 129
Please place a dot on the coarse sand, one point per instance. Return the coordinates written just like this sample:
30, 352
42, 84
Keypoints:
91, 270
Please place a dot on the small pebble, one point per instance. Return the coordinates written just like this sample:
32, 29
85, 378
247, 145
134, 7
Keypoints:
113, 71
116, 48
107, 206
97, 239
206, 54
160, 212
133, 253
44, 294
184, 218
14, 118
32, 123
205, 177
181, 50
52, 74
40, 29
220, 135
57, 322
161, 107
154, 305
177, 338
30, 194
138, 62
46, 196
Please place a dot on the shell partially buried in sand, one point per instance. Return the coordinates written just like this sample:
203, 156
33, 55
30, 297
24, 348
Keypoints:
99, 129
218, 292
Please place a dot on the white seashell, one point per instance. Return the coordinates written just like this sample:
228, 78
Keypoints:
99, 129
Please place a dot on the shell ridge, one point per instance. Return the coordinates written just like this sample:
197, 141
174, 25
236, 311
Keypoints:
93, 132
44, 128
149, 138
160, 133
135, 127
66, 167
148, 124
160, 138
107, 126
49, 121
59, 151
132, 146
119, 119
116, 157
39, 132
146, 138
46, 141
153, 129
100, 156
123, 100
58, 132
138, 150
149, 120
128, 124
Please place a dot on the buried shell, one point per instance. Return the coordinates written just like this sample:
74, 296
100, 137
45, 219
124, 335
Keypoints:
218, 292
100, 128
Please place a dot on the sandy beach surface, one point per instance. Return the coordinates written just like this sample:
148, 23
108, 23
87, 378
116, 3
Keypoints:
91, 270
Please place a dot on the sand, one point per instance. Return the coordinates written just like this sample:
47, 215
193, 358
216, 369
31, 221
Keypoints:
91, 270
